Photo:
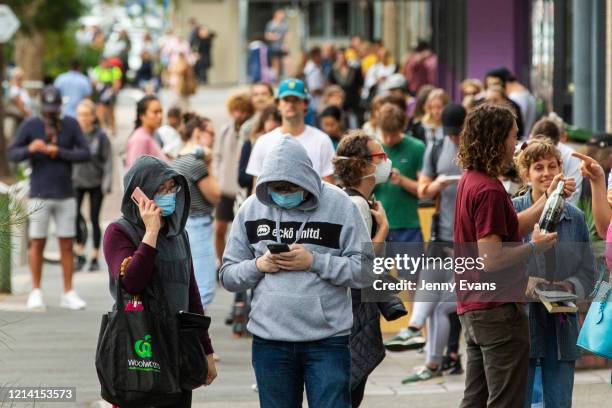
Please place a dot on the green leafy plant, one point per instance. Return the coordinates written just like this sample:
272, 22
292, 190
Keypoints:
12, 214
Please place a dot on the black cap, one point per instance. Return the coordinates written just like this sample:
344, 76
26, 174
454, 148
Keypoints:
601, 140
502, 73
51, 99
453, 117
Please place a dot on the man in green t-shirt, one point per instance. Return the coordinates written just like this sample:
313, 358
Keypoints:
399, 195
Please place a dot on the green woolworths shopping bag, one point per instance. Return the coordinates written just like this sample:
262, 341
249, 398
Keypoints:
137, 356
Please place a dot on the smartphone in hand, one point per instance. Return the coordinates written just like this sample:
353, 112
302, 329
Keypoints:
278, 248
138, 195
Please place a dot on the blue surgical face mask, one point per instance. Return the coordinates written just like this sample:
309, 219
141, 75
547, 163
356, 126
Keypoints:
167, 203
287, 200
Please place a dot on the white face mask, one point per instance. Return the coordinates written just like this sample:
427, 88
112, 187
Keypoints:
382, 172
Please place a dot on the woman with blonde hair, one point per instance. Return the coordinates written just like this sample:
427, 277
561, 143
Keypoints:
377, 74
471, 87
93, 178
371, 126
333, 95
432, 121
19, 98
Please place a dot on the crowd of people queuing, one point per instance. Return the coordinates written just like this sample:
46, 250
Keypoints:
281, 203
157, 60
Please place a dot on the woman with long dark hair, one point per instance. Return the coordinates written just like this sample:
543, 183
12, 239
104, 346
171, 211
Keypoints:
194, 162
142, 142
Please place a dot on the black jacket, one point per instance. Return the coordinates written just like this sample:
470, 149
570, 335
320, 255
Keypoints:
367, 349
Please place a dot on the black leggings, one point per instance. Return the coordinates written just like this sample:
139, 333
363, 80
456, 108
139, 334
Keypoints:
454, 335
95, 205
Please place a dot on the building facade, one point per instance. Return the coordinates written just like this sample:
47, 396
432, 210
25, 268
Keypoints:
556, 47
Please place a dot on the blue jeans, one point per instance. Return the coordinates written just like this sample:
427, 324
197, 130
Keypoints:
557, 377
200, 230
283, 368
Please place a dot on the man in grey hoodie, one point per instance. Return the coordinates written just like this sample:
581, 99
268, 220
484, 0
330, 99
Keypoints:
301, 314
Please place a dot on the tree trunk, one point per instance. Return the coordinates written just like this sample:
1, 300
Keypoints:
29, 50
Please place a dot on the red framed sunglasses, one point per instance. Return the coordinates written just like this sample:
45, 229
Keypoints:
382, 155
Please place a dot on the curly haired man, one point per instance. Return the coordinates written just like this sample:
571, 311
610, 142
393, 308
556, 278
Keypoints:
487, 227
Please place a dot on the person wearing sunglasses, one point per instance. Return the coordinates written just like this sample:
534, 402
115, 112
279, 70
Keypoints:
157, 220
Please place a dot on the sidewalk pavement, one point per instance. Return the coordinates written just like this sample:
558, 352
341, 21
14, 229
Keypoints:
57, 348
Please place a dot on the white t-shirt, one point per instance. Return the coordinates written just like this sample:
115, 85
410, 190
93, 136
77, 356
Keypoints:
571, 168
171, 139
317, 144
527, 103
15, 92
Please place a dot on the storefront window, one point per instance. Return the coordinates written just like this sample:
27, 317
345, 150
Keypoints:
543, 50
341, 19
316, 22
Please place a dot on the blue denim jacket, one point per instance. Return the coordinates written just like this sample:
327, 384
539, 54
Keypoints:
574, 263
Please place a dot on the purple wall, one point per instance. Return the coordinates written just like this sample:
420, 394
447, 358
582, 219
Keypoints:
497, 35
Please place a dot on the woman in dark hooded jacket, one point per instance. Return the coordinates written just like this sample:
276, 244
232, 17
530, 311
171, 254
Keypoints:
163, 252
360, 164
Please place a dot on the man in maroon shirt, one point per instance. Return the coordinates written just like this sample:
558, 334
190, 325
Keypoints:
488, 228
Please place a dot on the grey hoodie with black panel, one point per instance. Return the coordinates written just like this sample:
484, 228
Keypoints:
299, 305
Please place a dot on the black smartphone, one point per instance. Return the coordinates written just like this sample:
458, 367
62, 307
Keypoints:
277, 248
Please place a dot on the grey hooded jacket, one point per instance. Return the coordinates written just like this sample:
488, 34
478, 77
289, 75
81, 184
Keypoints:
299, 305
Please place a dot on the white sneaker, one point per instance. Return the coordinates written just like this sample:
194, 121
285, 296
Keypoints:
70, 300
35, 300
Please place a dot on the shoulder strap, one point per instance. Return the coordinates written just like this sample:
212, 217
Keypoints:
131, 230
436, 150
352, 192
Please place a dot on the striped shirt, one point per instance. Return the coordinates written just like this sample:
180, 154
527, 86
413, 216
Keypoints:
194, 171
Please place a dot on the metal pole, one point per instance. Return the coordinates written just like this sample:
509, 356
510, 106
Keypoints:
598, 67
609, 66
581, 64
3, 163
243, 17
5, 244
